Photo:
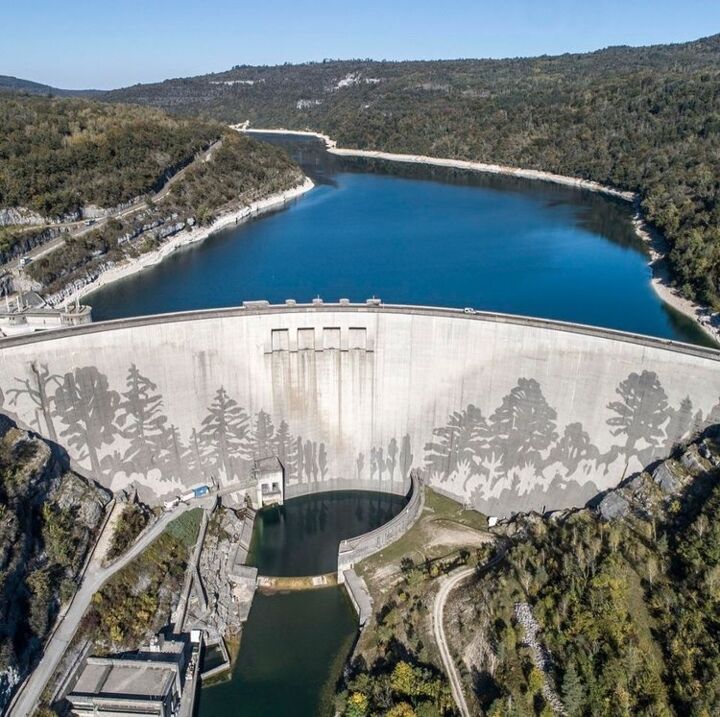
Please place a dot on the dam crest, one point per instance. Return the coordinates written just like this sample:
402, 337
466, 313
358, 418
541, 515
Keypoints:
503, 413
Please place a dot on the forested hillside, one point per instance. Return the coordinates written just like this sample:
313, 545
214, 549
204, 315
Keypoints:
645, 119
624, 601
155, 175
60, 155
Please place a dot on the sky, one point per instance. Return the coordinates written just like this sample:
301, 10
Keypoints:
78, 44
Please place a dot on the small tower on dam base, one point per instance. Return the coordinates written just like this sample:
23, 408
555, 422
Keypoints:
270, 476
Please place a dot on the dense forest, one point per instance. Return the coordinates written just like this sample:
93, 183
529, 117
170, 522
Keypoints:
624, 600
645, 119
59, 155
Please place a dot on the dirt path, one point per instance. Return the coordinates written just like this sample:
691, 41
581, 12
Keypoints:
451, 582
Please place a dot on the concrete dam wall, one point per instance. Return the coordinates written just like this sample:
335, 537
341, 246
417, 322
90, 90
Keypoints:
501, 412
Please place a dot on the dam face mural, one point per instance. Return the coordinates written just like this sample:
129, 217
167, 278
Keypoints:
502, 415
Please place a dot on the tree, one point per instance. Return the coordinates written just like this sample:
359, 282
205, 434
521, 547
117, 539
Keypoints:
573, 693
142, 421
391, 460
523, 426
284, 448
573, 447
357, 705
87, 407
263, 437
680, 424
642, 410
406, 457
224, 433
310, 460
300, 458
360, 464
171, 459
322, 461
462, 440
38, 394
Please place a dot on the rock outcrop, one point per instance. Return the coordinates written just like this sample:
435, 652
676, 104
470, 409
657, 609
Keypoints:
48, 523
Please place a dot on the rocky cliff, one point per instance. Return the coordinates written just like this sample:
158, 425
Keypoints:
49, 517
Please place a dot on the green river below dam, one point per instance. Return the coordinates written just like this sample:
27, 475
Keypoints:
294, 644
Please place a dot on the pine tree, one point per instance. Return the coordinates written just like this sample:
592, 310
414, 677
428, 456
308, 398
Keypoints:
172, 461
263, 438
284, 448
142, 421
224, 433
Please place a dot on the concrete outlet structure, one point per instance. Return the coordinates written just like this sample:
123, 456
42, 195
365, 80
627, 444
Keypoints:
270, 476
499, 412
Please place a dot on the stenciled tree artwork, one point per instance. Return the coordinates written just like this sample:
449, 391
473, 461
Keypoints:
682, 422
284, 448
322, 461
37, 390
461, 440
572, 447
175, 460
391, 460
641, 411
224, 434
406, 457
142, 423
87, 407
523, 427
263, 435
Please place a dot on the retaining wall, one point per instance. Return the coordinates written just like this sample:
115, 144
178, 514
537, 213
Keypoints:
353, 550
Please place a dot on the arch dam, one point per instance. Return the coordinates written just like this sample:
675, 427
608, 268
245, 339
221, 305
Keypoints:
500, 412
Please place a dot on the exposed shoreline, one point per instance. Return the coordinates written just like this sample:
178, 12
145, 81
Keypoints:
188, 237
656, 243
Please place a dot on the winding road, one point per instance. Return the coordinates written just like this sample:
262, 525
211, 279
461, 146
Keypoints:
95, 577
452, 581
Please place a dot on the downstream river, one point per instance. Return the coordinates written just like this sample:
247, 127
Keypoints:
294, 644
419, 235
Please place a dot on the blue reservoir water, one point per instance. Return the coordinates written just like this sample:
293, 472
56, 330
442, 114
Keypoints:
430, 236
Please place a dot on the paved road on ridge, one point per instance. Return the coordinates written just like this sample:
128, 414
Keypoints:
92, 581
79, 228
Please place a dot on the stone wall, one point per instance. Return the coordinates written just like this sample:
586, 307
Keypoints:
503, 413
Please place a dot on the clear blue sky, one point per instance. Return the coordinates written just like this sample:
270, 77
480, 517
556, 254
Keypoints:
111, 43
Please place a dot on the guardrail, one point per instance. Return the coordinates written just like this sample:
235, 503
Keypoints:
353, 550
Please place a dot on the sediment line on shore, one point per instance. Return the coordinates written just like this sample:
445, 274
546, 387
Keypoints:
656, 243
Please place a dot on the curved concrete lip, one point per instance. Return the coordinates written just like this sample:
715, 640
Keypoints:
372, 306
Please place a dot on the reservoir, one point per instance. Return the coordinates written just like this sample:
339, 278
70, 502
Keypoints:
419, 235
294, 644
